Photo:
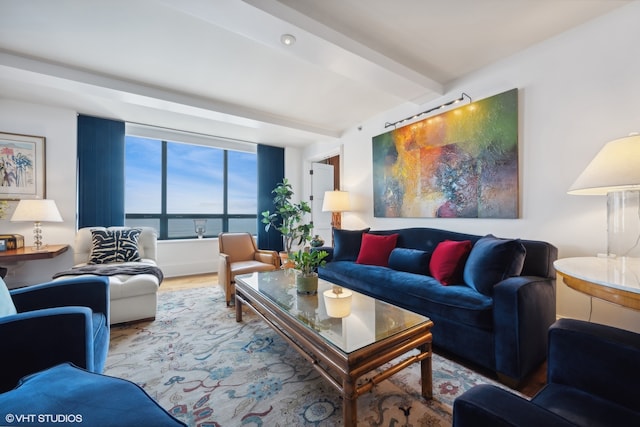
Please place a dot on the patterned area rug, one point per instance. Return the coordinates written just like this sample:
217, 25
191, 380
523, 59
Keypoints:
208, 370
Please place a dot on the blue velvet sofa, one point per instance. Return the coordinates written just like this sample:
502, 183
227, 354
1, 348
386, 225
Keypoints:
592, 380
47, 324
495, 314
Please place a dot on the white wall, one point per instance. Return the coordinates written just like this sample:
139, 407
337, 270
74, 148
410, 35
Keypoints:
576, 92
59, 128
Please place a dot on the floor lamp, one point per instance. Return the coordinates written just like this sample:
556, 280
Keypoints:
615, 172
335, 202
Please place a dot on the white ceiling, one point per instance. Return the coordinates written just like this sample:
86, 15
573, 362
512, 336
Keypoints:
218, 66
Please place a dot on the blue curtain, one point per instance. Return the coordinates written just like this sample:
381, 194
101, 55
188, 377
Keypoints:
100, 172
270, 173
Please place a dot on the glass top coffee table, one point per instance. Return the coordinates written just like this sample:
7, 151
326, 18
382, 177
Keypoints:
340, 349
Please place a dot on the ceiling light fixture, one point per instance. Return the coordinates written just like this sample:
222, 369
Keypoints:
439, 107
288, 39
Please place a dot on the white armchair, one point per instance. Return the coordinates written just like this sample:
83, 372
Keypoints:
133, 295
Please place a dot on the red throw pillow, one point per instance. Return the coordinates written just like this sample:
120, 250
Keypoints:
375, 249
448, 259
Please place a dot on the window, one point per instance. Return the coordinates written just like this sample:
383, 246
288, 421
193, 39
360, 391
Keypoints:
171, 184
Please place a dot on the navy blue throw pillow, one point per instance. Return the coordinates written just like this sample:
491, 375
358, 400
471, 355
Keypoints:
346, 244
410, 260
492, 260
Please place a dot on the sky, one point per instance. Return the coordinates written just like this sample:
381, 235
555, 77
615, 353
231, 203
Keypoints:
194, 175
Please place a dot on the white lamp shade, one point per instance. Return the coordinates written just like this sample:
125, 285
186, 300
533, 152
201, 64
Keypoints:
36, 210
615, 168
335, 201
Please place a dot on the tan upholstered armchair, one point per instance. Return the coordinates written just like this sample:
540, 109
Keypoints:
239, 255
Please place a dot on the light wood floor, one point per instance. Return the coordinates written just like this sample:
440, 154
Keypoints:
529, 387
188, 282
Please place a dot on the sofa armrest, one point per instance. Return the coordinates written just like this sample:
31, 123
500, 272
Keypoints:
327, 249
39, 339
598, 359
91, 291
524, 309
267, 257
489, 406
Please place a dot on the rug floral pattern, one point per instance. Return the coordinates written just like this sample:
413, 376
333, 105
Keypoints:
208, 370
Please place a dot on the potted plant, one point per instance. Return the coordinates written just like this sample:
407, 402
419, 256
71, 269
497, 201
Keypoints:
288, 217
306, 262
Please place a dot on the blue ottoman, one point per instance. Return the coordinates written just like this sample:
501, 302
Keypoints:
66, 395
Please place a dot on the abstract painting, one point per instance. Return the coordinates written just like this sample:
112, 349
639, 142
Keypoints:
458, 164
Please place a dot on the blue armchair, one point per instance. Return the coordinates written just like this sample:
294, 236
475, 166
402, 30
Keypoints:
56, 322
592, 380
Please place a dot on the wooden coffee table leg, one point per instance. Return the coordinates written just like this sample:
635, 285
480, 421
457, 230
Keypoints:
349, 403
426, 373
238, 310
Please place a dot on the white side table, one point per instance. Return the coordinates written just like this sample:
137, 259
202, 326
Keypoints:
616, 280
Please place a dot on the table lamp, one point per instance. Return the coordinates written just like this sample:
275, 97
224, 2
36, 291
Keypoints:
38, 211
615, 172
336, 202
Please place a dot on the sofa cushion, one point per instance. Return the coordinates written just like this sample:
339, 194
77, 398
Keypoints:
418, 293
346, 244
448, 259
375, 250
109, 246
410, 260
492, 260
6, 302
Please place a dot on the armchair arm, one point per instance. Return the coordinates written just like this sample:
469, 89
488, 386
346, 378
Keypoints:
267, 257
524, 309
39, 339
92, 292
598, 359
489, 406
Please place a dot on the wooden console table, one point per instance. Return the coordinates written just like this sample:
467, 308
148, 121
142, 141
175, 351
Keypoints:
29, 253
616, 280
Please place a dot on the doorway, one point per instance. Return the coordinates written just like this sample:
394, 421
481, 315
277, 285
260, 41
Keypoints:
325, 176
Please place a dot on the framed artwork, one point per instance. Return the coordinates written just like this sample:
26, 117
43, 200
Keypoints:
22, 166
458, 164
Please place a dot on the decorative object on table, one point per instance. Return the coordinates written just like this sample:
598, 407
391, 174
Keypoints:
462, 163
288, 217
614, 172
337, 301
13, 241
38, 211
200, 226
306, 263
3, 246
22, 166
317, 241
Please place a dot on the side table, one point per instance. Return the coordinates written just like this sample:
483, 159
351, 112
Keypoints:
29, 253
616, 280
